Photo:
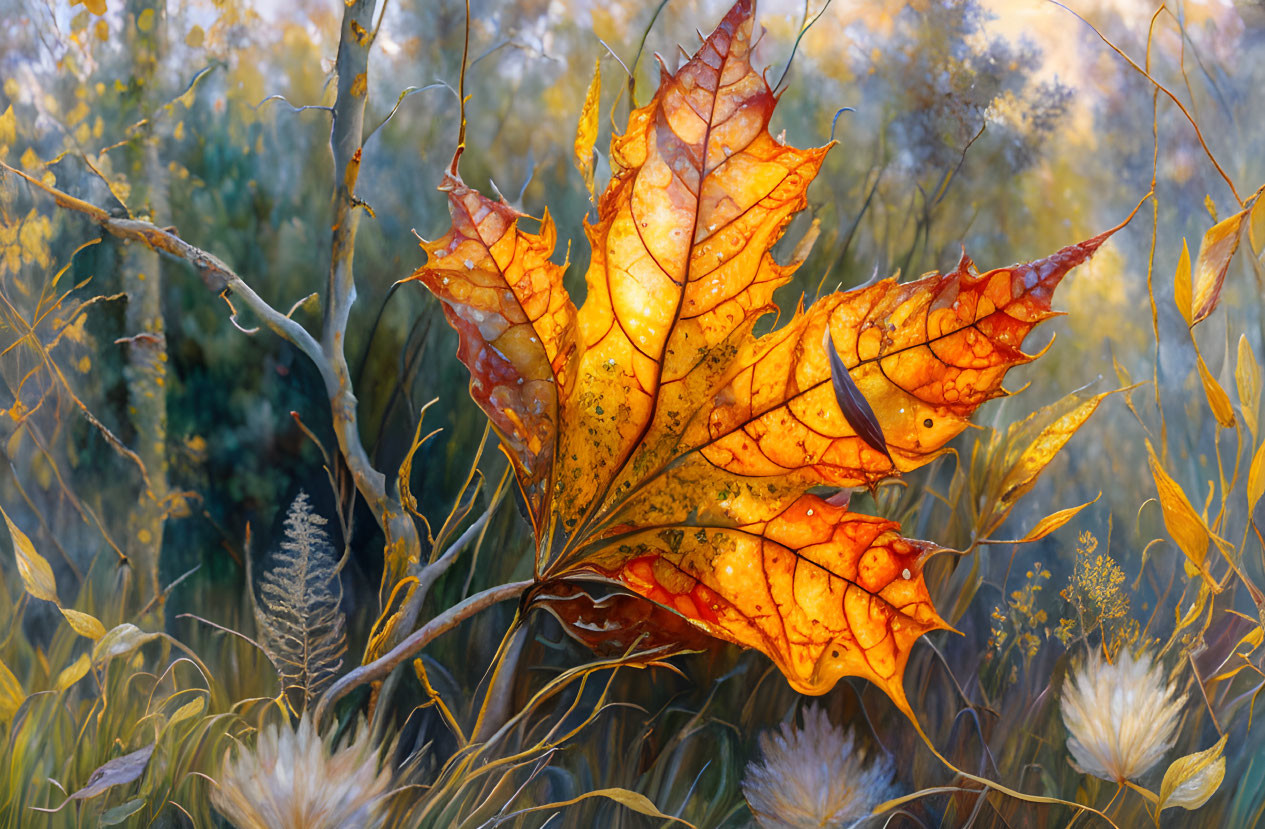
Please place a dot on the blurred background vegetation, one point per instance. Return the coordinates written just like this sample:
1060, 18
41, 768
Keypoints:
1010, 129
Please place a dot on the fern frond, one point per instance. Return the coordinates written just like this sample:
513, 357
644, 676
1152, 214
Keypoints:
300, 598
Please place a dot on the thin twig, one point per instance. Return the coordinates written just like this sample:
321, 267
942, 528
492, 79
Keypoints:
1159, 86
419, 639
213, 271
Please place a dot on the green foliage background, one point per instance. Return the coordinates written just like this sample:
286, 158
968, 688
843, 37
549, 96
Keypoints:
1011, 130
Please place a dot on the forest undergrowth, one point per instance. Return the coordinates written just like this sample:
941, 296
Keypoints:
655, 487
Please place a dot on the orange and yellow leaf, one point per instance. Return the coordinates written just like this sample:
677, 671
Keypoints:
666, 449
505, 298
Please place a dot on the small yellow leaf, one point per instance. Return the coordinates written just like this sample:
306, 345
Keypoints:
120, 640
11, 695
1181, 284
1191, 780
625, 797
102, 31
195, 38
77, 114
146, 21
1218, 400
1256, 479
1055, 520
1247, 376
1024, 458
586, 130
97, 7
1215, 252
36, 575
1192, 613
189, 709
1256, 224
75, 672
1184, 524
8, 127
84, 624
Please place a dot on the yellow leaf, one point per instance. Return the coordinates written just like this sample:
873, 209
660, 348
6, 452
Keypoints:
77, 114
195, 37
1020, 456
586, 130
1215, 251
84, 624
1184, 524
1191, 780
1247, 376
1055, 520
11, 694
1181, 284
102, 30
189, 709
146, 21
97, 7
1218, 400
36, 575
120, 640
1256, 226
1256, 479
8, 127
1192, 613
75, 672
625, 797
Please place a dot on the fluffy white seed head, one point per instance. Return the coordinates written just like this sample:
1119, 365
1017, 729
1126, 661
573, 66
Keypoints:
1121, 716
815, 776
294, 779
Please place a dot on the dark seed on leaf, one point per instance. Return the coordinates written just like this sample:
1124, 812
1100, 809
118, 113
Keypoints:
856, 409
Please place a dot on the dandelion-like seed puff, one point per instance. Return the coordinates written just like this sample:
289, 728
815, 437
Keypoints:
294, 779
1121, 716
815, 776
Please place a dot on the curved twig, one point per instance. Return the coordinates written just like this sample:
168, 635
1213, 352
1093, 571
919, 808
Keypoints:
420, 638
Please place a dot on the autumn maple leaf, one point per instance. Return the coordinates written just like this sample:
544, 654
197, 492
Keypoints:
662, 446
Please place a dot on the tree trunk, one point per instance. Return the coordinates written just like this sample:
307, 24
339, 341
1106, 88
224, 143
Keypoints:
146, 371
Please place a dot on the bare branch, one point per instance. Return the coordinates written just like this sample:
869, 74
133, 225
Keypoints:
402, 551
213, 271
419, 639
431, 572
